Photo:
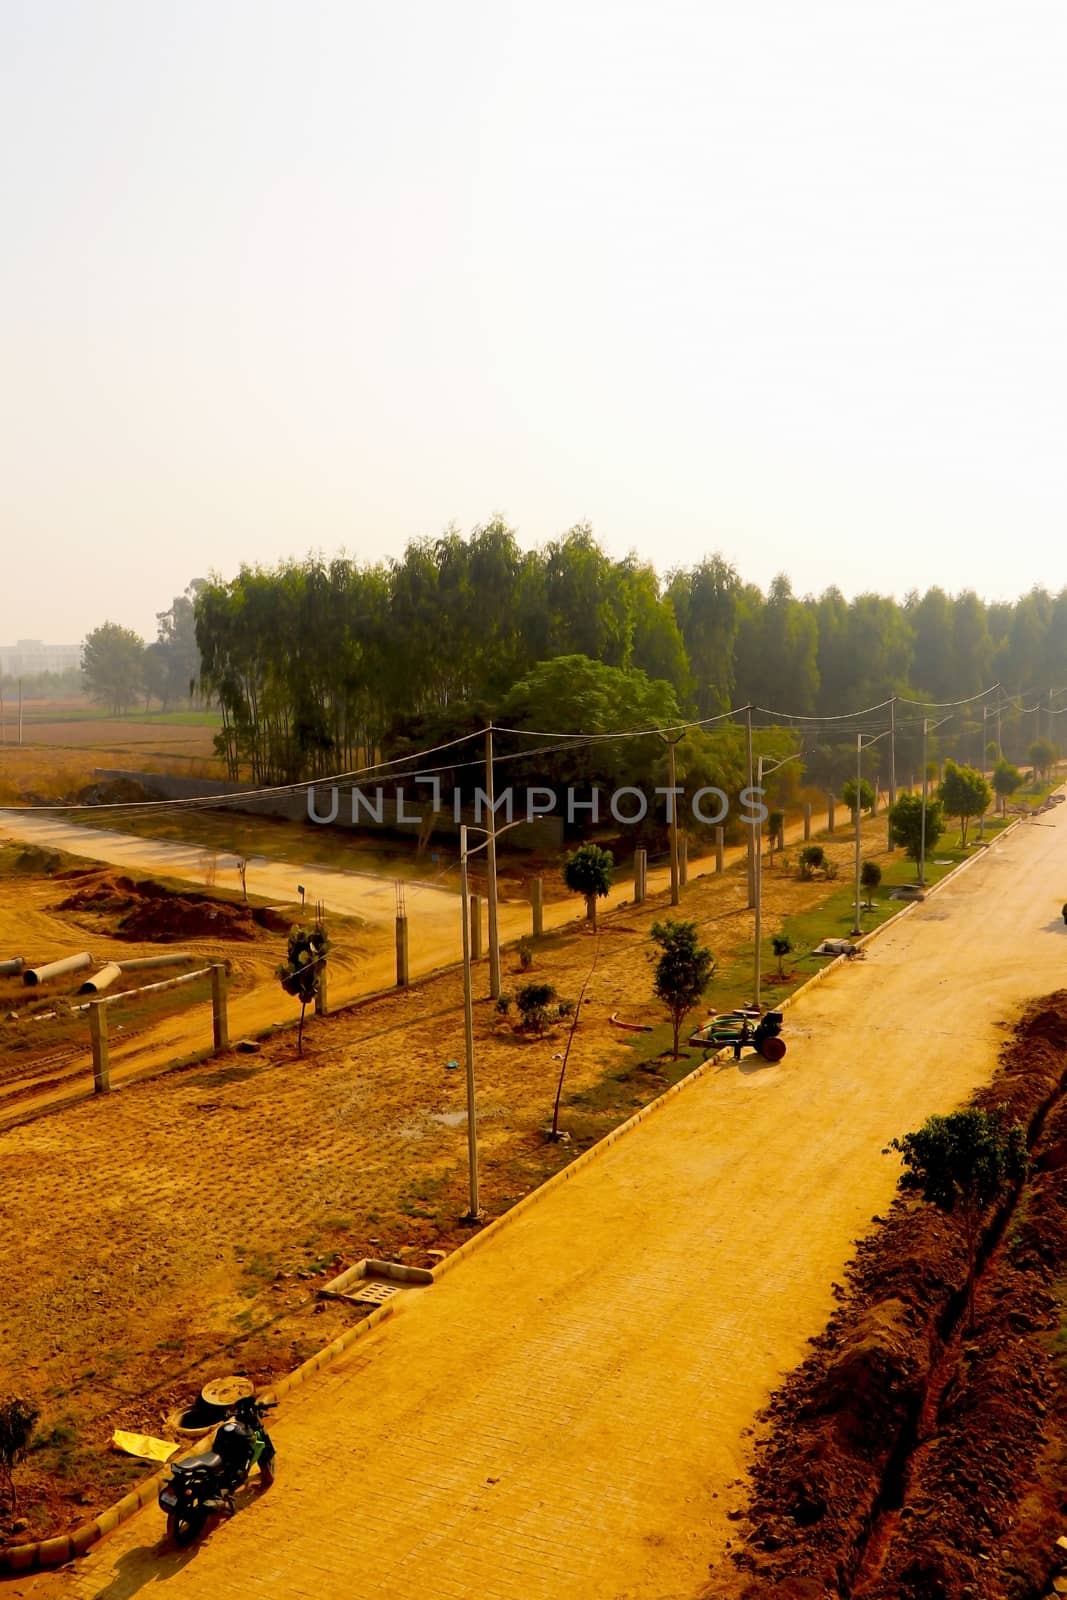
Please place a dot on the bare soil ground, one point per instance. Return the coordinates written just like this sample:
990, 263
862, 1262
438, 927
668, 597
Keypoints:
912, 1458
57, 757
52, 906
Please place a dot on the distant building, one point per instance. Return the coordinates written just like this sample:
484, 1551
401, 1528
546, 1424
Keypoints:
29, 656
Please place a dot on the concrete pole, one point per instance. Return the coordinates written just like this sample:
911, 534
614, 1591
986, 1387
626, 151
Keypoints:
922, 834
807, 820
476, 927
856, 926
640, 876
537, 900
892, 767
683, 859
757, 834
720, 846
468, 1032
403, 971
830, 814
672, 801
101, 1056
219, 1024
494, 932
750, 831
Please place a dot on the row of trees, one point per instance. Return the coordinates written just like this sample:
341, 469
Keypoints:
118, 668
321, 665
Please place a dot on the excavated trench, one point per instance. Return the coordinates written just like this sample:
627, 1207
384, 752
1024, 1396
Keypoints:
911, 1458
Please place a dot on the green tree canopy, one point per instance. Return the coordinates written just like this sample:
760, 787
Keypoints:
1042, 756
589, 871
906, 825
848, 794
1006, 779
961, 1163
964, 793
113, 665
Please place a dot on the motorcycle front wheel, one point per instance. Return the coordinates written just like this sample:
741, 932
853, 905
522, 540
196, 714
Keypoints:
184, 1526
266, 1472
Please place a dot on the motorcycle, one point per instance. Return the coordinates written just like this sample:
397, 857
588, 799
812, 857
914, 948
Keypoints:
203, 1484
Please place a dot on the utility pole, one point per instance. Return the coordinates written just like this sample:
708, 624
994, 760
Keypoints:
494, 935
857, 929
922, 833
675, 889
1000, 750
892, 767
468, 1028
756, 840
748, 780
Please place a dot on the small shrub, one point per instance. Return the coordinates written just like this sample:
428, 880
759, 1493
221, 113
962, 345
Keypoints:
565, 1008
811, 858
830, 870
533, 1001
526, 955
870, 877
503, 1005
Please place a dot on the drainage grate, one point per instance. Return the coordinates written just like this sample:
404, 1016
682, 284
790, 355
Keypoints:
373, 1293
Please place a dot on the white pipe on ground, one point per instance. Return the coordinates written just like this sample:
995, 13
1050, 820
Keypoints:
173, 958
12, 968
101, 980
57, 969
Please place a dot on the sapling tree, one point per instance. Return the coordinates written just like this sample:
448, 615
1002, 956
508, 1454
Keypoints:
533, 1001
870, 878
1042, 756
18, 1418
961, 1163
1006, 779
811, 858
848, 794
301, 972
775, 831
589, 871
964, 793
782, 946
906, 823
682, 969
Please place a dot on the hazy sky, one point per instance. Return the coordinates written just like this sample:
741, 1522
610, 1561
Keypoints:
784, 280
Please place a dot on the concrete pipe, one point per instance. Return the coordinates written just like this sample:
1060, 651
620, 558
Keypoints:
101, 980
12, 968
57, 969
173, 958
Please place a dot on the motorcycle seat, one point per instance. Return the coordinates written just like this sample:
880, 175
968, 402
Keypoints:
210, 1461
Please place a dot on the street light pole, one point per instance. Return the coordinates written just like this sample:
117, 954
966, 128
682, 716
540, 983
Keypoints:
757, 843
892, 769
859, 780
468, 1027
922, 832
494, 921
757, 896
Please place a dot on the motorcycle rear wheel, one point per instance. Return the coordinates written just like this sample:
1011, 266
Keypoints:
266, 1472
185, 1526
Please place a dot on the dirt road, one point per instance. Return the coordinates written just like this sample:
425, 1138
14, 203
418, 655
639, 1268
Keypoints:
564, 1413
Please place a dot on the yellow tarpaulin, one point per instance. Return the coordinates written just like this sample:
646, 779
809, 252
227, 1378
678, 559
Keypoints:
143, 1446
